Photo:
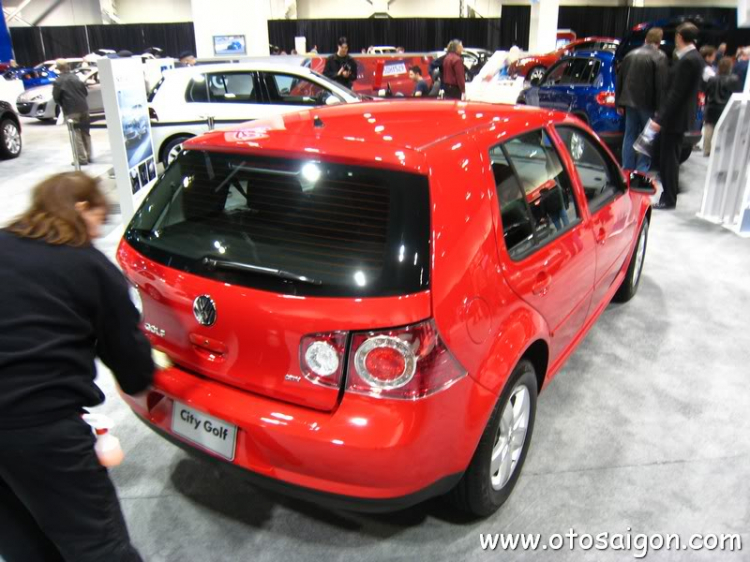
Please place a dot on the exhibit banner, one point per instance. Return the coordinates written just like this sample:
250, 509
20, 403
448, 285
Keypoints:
6, 49
129, 126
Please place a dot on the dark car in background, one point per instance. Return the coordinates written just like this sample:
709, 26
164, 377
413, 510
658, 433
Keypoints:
711, 33
584, 85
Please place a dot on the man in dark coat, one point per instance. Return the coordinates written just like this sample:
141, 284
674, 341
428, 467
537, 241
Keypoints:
640, 84
340, 66
678, 110
70, 94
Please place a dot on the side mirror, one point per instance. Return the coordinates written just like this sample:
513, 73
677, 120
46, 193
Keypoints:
332, 100
642, 183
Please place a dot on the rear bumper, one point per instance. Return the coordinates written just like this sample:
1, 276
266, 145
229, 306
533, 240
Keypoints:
367, 455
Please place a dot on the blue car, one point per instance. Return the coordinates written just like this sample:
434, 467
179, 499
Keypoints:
584, 85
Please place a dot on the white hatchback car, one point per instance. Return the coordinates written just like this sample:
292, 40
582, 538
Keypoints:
182, 103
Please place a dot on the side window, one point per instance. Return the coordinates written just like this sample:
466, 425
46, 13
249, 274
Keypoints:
518, 229
584, 71
557, 73
235, 87
294, 90
599, 176
546, 187
197, 91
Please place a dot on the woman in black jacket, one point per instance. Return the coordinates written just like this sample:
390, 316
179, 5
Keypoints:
64, 303
718, 91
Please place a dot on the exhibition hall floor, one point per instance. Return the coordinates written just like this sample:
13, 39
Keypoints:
645, 430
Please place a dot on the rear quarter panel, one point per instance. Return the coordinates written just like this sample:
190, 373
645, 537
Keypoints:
480, 318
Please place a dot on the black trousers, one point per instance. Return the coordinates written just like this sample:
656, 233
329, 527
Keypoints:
669, 166
56, 501
451, 92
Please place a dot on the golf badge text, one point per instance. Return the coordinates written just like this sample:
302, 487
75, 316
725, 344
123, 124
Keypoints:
220, 432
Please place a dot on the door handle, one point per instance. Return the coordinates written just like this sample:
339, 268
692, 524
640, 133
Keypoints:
541, 284
601, 236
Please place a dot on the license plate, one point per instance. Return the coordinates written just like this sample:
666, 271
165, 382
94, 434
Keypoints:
206, 431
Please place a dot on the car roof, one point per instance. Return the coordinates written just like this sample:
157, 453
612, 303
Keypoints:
287, 64
383, 133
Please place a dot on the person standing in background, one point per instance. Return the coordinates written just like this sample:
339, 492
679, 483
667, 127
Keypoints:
638, 92
340, 66
709, 57
740, 68
720, 88
453, 74
678, 110
721, 52
70, 93
421, 89
65, 304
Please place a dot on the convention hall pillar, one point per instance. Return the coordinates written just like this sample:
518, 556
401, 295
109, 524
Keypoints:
230, 17
543, 32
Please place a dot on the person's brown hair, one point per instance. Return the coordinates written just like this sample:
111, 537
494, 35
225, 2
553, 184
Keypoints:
52, 216
688, 31
725, 66
655, 36
707, 51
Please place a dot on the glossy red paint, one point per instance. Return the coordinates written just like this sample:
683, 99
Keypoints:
526, 64
490, 311
376, 72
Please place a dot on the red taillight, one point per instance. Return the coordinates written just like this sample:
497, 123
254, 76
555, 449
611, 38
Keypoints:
152, 114
405, 363
701, 100
606, 99
322, 358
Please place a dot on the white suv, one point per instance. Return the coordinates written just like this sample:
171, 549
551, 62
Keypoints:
182, 103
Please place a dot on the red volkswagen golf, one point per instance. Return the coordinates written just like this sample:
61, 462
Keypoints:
360, 304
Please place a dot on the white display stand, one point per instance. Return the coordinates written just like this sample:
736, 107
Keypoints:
726, 196
300, 45
129, 128
10, 90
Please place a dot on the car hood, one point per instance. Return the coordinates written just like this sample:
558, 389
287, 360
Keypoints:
44, 91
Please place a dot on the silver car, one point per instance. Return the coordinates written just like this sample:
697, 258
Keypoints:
38, 102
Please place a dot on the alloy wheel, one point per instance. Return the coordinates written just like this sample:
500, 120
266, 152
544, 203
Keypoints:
174, 153
511, 436
12, 138
537, 73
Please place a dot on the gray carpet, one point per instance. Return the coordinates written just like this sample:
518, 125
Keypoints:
645, 428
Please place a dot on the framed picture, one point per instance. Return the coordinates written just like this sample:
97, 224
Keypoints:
229, 45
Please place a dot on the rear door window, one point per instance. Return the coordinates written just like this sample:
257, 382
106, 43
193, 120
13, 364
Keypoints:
289, 226
233, 87
197, 91
546, 186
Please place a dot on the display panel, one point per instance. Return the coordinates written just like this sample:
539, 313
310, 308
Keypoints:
229, 45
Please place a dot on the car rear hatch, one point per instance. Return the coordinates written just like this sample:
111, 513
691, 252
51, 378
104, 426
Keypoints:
237, 258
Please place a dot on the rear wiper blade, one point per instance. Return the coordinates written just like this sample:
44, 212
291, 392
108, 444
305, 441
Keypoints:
213, 264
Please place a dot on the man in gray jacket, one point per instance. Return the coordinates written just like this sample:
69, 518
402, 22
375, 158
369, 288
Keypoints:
640, 83
71, 95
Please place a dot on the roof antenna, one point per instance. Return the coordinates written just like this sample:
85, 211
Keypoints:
318, 122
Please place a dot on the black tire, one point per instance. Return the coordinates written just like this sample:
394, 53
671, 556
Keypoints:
8, 149
632, 280
475, 493
685, 154
170, 146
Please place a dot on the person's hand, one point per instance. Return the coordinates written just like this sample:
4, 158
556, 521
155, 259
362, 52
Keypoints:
655, 126
341, 71
621, 111
346, 74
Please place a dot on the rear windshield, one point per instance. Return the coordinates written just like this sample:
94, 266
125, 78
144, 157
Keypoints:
289, 226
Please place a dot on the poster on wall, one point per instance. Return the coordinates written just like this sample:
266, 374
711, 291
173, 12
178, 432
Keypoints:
129, 127
229, 45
